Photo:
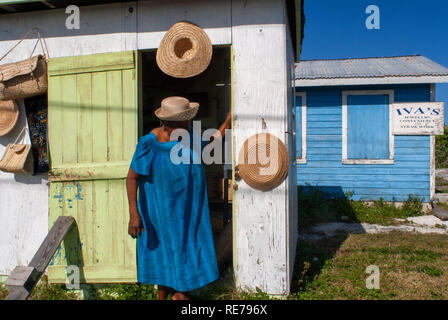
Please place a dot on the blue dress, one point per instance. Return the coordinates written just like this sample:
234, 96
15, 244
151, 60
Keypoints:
176, 249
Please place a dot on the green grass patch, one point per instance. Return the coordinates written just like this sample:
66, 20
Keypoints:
316, 206
412, 266
440, 181
442, 150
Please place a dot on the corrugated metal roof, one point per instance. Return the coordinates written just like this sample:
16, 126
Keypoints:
402, 66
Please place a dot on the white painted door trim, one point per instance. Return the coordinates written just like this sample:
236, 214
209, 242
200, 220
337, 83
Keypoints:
302, 94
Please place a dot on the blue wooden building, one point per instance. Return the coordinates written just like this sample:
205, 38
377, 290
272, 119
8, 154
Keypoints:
344, 131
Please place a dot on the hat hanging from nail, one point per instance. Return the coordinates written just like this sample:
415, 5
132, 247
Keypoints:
263, 161
185, 51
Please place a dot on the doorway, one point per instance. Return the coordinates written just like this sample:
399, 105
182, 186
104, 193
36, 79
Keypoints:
211, 89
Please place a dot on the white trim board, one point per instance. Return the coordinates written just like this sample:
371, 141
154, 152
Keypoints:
304, 124
432, 155
368, 81
345, 160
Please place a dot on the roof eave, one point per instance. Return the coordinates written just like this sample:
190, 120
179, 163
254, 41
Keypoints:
324, 82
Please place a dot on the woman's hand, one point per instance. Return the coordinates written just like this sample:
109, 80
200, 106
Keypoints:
135, 225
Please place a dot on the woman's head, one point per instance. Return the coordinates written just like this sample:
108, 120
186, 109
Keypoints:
176, 124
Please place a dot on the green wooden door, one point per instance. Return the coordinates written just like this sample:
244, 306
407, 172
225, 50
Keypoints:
93, 131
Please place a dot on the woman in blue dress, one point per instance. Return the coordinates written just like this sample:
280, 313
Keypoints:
170, 219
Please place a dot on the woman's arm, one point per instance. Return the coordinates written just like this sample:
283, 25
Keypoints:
135, 221
225, 125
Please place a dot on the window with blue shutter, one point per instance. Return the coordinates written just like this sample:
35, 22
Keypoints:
368, 137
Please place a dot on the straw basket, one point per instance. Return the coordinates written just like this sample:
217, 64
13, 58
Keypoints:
18, 158
26, 78
263, 161
23, 79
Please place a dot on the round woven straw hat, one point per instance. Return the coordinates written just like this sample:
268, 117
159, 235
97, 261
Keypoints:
9, 113
177, 109
263, 161
185, 51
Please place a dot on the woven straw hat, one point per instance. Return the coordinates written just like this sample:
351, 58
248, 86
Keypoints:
9, 113
177, 109
263, 161
185, 51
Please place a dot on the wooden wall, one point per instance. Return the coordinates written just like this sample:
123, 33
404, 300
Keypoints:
410, 173
260, 92
264, 222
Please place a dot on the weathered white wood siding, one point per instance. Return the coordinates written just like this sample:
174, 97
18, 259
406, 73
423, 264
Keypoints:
23, 208
260, 88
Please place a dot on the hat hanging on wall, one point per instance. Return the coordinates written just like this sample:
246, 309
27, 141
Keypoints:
185, 51
263, 161
9, 113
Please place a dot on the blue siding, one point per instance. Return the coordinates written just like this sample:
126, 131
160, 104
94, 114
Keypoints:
298, 127
409, 175
368, 127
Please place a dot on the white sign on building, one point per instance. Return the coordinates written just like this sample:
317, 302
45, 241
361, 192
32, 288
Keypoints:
418, 118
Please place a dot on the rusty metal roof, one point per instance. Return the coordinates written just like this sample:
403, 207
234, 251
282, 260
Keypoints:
400, 66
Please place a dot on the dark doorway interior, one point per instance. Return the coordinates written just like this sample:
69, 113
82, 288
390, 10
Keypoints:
212, 90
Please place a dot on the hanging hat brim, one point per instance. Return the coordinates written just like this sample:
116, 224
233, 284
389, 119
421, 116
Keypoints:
185, 51
9, 114
263, 174
186, 115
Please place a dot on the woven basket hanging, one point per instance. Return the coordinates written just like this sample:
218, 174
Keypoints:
185, 51
263, 161
9, 113
24, 79
17, 158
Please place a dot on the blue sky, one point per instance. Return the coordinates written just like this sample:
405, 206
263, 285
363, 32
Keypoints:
336, 29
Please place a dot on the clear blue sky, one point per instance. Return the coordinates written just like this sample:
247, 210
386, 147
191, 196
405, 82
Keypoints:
336, 29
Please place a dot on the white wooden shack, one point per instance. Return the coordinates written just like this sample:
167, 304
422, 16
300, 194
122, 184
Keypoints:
262, 39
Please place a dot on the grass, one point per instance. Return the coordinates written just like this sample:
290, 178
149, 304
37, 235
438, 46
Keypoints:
442, 150
412, 266
318, 207
440, 181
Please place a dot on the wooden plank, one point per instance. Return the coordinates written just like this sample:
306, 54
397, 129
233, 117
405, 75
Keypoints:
51, 242
69, 120
23, 279
91, 171
84, 137
130, 121
103, 234
115, 115
91, 63
116, 225
55, 111
99, 110
18, 294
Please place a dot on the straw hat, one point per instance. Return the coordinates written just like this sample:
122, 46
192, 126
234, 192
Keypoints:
263, 161
185, 51
9, 113
177, 109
